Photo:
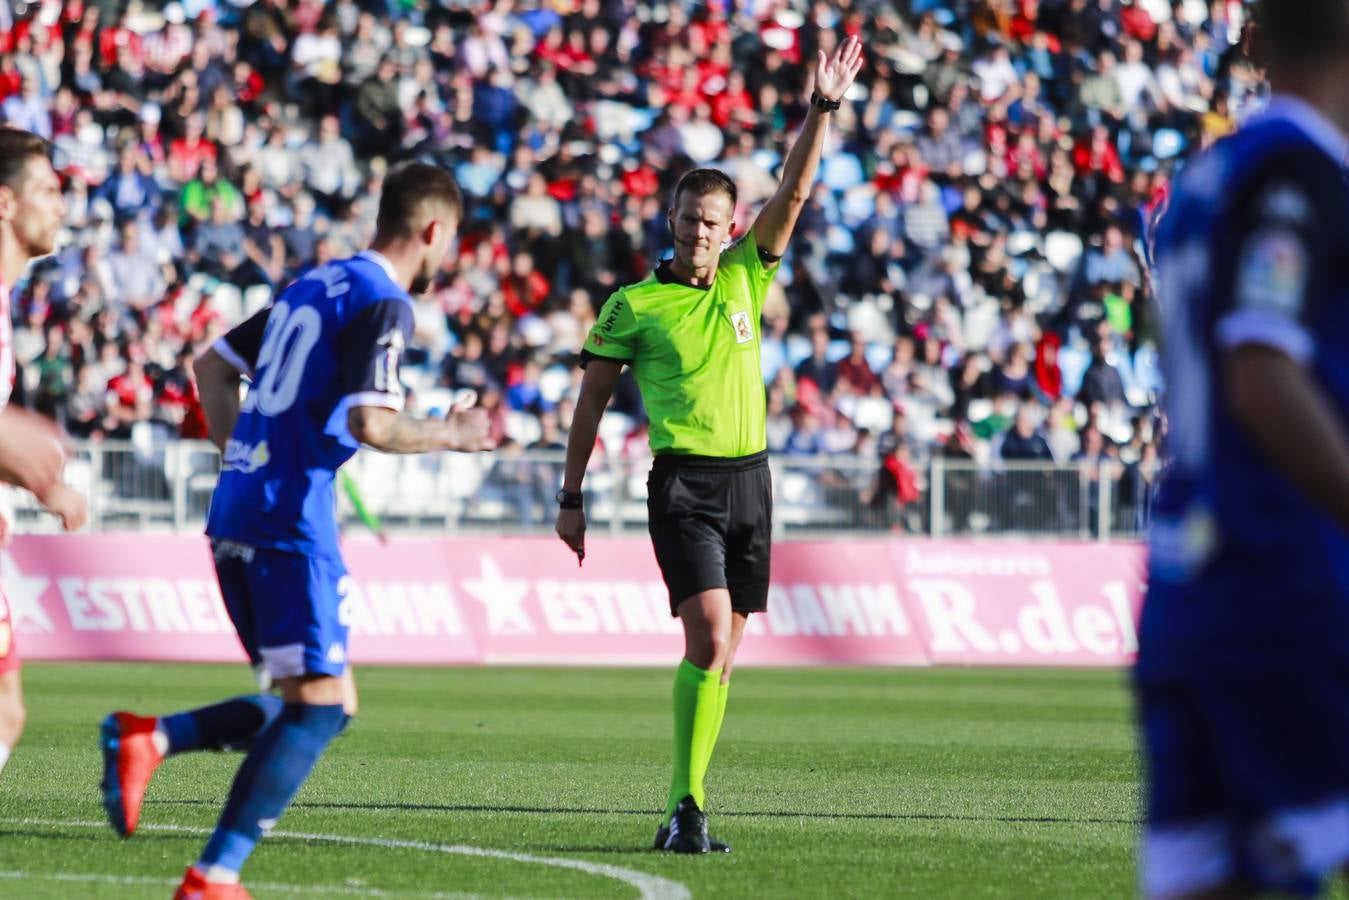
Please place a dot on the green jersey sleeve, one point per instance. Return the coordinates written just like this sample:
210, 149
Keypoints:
758, 274
614, 334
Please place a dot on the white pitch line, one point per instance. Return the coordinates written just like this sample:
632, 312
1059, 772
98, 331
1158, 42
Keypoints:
649, 887
96, 878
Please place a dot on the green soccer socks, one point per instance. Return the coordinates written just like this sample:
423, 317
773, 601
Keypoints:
723, 688
699, 701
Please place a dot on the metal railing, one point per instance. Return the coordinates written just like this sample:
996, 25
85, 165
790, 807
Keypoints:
167, 485
132, 486
1035, 499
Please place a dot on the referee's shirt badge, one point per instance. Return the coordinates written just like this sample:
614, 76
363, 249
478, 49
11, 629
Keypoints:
744, 332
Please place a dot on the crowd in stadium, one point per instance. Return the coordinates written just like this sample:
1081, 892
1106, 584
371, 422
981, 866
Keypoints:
969, 279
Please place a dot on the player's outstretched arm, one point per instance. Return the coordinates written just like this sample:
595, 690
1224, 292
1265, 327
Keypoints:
32, 458
597, 386
1284, 410
30, 450
391, 431
67, 504
833, 77
218, 385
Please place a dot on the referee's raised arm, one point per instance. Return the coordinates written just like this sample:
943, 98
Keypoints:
833, 76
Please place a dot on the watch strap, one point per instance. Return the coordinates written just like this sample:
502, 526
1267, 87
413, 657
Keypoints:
824, 104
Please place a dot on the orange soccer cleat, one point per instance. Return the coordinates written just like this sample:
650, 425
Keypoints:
196, 887
129, 759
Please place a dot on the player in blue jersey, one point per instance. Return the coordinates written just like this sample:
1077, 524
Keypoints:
1243, 665
324, 364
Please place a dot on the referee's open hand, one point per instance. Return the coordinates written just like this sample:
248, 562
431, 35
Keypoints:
571, 527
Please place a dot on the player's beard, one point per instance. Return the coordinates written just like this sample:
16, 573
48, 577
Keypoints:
420, 284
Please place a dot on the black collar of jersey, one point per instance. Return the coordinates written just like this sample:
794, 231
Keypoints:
665, 275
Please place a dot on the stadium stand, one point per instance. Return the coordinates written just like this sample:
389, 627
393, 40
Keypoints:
967, 284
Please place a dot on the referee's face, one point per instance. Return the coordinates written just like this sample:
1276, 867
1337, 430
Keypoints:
701, 225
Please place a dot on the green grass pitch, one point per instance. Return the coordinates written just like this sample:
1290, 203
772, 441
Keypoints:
833, 783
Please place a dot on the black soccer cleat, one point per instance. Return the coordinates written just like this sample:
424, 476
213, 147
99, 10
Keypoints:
687, 832
663, 835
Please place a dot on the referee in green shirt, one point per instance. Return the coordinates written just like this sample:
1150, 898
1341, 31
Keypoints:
690, 331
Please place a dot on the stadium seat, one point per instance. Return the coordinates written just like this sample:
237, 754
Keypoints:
867, 321
1063, 249
1168, 143
1073, 362
874, 414
981, 319
842, 172
435, 401
880, 355
523, 428
980, 409
554, 384
1019, 243
840, 240
255, 298
227, 301
614, 427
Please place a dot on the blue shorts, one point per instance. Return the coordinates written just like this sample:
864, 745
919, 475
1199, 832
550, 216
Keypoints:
1248, 781
288, 609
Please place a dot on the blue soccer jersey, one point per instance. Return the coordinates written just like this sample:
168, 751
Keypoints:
1244, 639
1246, 572
332, 340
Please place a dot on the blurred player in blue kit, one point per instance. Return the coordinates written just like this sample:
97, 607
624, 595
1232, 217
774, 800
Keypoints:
324, 364
1243, 666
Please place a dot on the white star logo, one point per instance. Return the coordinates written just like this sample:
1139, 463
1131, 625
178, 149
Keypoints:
503, 598
25, 597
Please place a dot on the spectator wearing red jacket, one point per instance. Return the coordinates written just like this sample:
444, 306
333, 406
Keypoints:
525, 288
177, 399
1137, 23
896, 485
734, 104
130, 398
1098, 156
855, 370
113, 41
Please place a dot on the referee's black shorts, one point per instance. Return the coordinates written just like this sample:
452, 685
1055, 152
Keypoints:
711, 524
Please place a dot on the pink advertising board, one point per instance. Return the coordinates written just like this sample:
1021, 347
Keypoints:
462, 600
156, 598
1024, 603
829, 603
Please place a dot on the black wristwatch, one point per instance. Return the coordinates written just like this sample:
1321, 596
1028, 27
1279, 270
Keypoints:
570, 499
823, 104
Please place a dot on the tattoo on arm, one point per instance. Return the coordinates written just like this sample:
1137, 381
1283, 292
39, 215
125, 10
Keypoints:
407, 434
396, 432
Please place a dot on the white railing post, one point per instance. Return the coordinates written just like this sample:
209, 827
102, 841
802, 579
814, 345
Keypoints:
936, 492
1107, 498
1084, 480
95, 486
775, 475
619, 467
181, 459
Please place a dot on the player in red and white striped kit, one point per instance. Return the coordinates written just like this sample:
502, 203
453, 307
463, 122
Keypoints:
31, 457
